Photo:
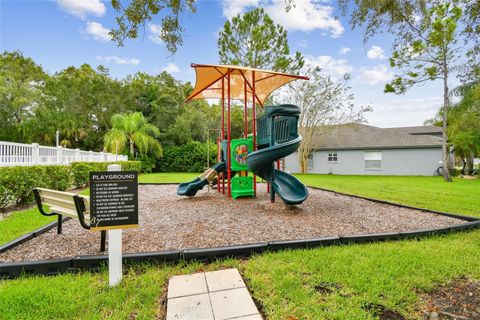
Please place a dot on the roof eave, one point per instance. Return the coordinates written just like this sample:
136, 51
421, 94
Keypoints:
378, 147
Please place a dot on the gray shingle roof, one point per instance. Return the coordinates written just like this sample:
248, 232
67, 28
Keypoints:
361, 136
433, 130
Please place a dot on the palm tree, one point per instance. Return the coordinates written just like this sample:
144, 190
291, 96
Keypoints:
132, 129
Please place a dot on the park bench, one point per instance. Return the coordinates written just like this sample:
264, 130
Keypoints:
66, 204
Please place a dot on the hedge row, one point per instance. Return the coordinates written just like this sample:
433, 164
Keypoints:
189, 157
16, 183
80, 170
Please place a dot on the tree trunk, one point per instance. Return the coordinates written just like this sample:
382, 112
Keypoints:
302, 159
469, 164
464, 165
132, 149
445, 151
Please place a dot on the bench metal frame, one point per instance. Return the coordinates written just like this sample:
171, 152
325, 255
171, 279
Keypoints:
80, 208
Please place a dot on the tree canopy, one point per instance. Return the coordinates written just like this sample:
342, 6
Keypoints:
21, 85
137, 13
397, 17
134, 131
425, 44
253, 39
80, 102
464, 125
323, 102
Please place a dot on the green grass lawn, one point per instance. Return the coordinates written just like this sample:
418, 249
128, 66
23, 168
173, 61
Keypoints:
461, 196
391, 273
166, 177
18, 223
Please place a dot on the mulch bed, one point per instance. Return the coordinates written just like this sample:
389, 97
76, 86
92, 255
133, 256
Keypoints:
168, 221
458, 300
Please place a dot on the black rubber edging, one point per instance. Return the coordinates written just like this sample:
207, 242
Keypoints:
95, 262
208, 254
14, 270
30, 235
303, 243
46, 267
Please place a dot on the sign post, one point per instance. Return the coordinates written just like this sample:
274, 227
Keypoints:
113, 207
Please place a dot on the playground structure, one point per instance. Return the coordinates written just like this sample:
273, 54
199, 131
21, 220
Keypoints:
241, 160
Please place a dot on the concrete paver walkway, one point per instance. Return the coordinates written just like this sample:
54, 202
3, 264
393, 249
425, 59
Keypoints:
217, 295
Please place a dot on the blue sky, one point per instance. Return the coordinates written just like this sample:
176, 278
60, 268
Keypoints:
57, 34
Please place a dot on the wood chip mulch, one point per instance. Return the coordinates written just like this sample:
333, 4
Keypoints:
168, 221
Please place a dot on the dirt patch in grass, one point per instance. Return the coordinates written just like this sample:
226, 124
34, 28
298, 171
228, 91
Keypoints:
457, 300
168, 221
383, 313
327, 287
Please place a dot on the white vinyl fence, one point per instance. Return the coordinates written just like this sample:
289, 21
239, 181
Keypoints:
19, 154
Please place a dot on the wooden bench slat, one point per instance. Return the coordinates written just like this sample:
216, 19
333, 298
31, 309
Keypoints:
61, 199
64, 211
62, 202
55, 192
51, 201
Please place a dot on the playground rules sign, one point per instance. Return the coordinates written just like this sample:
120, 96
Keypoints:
113, 200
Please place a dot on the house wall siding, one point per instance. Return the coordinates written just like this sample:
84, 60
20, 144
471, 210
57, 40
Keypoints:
421, 162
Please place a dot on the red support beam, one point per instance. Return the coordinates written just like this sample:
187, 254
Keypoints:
223, 109
252, 87
219, 158
229, 164
245, 114
254, 129
223, 127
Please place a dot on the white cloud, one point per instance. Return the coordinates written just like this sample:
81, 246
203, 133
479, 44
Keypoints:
305, 15
303, 43
231, 8
118, 60
375, 53
344, 50
404, 112
154, 33
98, 31
334, 67
82, 8
171, 68
375, 75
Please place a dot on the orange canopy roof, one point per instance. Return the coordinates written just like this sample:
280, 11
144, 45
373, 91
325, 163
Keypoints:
208, 83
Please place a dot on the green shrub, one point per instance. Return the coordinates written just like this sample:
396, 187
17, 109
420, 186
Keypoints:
189, 157
81, 170
148, 163
80, 174
16, 183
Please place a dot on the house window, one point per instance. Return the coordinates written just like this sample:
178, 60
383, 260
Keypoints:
332, 157
310, 162
373, 160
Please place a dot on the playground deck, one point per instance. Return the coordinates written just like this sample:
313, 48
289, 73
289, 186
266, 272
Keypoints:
168, 221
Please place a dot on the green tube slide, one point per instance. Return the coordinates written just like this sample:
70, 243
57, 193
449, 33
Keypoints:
278, 135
